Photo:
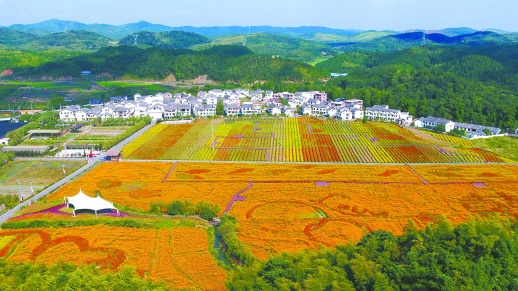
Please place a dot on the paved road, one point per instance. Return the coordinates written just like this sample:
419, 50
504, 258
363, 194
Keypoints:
90, 165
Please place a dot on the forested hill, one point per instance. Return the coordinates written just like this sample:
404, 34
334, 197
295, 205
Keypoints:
221, 63
79, 40
167, 39
412, 39
277, 45
478, 84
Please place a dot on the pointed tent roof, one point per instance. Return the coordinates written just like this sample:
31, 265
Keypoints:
83, 202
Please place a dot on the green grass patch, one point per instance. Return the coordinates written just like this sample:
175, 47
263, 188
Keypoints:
40, 172
503, 146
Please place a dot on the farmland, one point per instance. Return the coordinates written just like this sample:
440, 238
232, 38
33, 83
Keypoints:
41, 173
177, 255
300, 140
293, 207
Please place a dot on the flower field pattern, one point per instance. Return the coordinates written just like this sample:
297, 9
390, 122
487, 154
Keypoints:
137, 185
291, 216
155, 253
301, 139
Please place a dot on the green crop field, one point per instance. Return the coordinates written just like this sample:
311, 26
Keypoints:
40, 172
145, 87
298, 140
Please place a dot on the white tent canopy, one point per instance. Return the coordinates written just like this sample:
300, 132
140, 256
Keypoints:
83, 202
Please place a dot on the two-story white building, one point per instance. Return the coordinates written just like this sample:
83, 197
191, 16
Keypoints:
383, 112
232, 109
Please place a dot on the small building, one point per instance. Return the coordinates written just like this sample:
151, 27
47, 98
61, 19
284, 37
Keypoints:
478, 130
432, 122
44, 133
113, 155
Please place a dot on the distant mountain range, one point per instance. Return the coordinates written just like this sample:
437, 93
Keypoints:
120, 31
310, 44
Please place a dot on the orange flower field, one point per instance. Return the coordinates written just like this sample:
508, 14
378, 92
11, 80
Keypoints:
291, 207
186, 171
163, 255
137, 185
293, 216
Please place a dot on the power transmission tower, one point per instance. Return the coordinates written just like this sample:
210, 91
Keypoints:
423, 41
135, 36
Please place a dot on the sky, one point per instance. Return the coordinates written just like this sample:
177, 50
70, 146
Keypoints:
397, 15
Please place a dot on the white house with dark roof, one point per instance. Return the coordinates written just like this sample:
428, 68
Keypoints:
432, 122
201, 110
156, 111
383, 112
247, 109
274, 110
319, 110
256, 95
232, 109
67, 114
184, 110
475, 130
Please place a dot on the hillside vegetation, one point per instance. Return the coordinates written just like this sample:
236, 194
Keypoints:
222, 63
79, 40
276, 45
478, 85
168, 39
376, 41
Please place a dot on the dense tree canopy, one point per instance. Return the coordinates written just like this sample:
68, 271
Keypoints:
222, 63
474, 255
474, 85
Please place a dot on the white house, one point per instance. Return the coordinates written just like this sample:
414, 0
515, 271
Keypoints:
67, 114
80, 115
478, 129
319, 110
432, 122
274, 110
345, 114
170, 110
184, 110
383, 112
211, 99
256, 95
155, 111
289, 112
204, 110
232, 109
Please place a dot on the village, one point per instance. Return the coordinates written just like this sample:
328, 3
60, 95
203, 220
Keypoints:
243, 102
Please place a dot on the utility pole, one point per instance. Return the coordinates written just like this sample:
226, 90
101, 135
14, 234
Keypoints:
20, 191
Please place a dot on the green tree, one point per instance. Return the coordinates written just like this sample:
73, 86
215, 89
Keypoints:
220, 108
55, 103
440, 127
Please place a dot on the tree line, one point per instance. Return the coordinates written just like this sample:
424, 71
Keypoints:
472, 85
475, 255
